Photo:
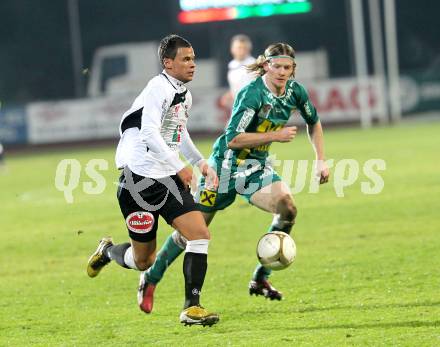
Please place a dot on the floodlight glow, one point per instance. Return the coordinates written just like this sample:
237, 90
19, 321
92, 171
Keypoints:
265, 9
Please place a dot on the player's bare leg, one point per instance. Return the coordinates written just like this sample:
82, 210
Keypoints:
144, 254
277, 199
135, 255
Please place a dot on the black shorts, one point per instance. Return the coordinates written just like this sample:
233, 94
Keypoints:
143, 199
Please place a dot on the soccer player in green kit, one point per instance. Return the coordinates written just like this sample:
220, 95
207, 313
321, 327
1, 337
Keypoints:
259, 116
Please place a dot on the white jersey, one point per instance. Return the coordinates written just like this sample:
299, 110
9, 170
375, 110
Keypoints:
238, 75
153, 130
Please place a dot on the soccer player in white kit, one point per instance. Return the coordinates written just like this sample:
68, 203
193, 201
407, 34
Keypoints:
238, 75
155, 182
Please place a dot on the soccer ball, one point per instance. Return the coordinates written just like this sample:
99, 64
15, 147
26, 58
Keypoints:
276, 250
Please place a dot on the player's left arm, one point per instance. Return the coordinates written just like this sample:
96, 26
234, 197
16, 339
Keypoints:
316, 135
193, 155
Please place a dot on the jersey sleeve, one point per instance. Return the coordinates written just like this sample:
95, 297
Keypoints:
189, 150
305, 106
154, 99
244, 110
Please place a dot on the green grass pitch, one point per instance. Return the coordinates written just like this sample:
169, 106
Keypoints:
367, 271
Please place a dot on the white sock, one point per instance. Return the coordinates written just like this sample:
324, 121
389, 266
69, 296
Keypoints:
197, 246
129, 260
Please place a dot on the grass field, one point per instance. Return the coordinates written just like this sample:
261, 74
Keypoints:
367, 271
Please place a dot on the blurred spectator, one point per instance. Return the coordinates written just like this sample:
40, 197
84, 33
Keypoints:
238, 75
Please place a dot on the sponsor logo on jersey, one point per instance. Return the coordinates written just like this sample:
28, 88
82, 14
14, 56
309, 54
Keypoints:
207, 198
140, 222
307, 108
264, 111
245, 120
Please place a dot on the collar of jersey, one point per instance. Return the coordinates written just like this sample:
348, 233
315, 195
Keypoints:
267, 87
174, 81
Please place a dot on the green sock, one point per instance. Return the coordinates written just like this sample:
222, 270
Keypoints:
261, 273
166, 255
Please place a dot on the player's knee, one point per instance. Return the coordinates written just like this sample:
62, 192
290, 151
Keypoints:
200, 232
141, 265
293, 213
287, 208
204, 233
144, 263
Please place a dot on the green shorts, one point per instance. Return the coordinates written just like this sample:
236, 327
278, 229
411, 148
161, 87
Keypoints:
242, 181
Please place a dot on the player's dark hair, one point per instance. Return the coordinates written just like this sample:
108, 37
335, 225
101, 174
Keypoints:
169, 45
274, 50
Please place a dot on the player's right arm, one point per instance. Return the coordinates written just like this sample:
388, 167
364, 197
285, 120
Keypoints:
251, 140
153, 100
243, 114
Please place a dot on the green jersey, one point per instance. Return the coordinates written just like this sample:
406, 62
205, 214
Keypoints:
257, 110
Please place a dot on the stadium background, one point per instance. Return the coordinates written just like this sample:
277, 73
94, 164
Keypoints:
36, 42
367, 268
37, 64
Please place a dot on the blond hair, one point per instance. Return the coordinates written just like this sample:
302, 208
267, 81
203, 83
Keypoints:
274, 50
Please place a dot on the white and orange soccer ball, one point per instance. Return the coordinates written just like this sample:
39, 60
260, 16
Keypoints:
276, 250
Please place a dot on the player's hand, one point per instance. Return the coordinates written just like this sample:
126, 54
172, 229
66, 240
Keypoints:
185, 176
286, 134
211, 178
322, 171
227, 100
